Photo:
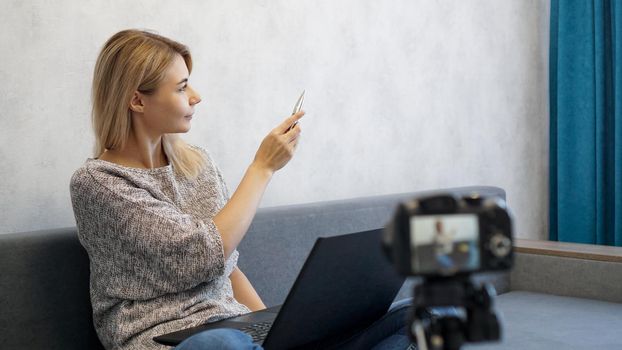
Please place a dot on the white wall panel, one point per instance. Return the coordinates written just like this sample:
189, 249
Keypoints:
401, 95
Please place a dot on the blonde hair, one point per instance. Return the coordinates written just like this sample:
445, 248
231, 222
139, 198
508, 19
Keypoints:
136, 60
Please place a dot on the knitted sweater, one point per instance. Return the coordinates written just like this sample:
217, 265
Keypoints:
156, 258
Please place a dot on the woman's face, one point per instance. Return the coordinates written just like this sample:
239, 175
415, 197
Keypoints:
170, 108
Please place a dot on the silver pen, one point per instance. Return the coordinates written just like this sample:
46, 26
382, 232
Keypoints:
297, 108
299, 103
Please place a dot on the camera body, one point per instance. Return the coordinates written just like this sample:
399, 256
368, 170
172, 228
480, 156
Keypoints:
446, 235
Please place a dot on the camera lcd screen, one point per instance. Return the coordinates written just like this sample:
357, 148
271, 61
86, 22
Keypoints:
444, 244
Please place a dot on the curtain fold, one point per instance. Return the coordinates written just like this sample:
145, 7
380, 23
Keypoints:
586, 121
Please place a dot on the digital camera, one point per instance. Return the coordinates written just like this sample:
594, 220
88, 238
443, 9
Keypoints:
445, 235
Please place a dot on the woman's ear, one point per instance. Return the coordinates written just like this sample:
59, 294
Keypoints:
137, 103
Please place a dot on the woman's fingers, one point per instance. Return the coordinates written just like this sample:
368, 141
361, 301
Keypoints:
294, 145
289, 122
293, 134
278, 147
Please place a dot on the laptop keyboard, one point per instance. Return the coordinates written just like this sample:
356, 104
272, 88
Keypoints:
258, 331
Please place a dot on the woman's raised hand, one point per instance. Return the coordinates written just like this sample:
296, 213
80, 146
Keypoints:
278, 147
275, 151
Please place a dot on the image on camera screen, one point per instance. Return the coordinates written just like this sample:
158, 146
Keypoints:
444, 244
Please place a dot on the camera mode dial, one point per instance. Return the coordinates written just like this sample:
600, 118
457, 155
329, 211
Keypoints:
500, 245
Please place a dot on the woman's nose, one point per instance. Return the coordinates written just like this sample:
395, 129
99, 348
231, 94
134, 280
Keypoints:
195, 97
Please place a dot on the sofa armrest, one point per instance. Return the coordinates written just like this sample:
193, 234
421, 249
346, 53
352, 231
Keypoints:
568, 269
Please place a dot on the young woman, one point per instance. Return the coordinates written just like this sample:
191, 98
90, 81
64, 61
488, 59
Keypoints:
153, 212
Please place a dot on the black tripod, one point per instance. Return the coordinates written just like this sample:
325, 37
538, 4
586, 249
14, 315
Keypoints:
449, 332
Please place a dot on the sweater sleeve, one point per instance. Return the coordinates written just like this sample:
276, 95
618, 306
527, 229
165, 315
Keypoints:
142, 247
233, 263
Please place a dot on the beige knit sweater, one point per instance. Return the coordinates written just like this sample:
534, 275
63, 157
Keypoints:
157, 261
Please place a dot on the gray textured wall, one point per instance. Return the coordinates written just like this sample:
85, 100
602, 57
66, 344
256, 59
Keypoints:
401, 95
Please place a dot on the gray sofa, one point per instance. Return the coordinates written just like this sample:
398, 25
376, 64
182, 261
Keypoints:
44, 300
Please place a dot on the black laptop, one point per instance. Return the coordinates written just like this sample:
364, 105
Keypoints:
345, 285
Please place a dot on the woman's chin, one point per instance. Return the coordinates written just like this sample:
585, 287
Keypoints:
187, 123
185, 127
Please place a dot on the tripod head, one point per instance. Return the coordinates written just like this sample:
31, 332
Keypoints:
477, 323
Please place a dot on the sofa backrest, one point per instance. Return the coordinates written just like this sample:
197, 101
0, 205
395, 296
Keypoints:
44, 292
280, 238
44, 275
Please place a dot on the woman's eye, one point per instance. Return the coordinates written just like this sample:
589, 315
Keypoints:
183, 88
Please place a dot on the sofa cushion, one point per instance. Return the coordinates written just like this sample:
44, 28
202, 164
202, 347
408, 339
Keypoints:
543, 322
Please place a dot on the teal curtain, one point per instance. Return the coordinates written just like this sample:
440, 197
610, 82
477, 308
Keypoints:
586, 121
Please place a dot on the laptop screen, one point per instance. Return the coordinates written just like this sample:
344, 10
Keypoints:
345, 285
